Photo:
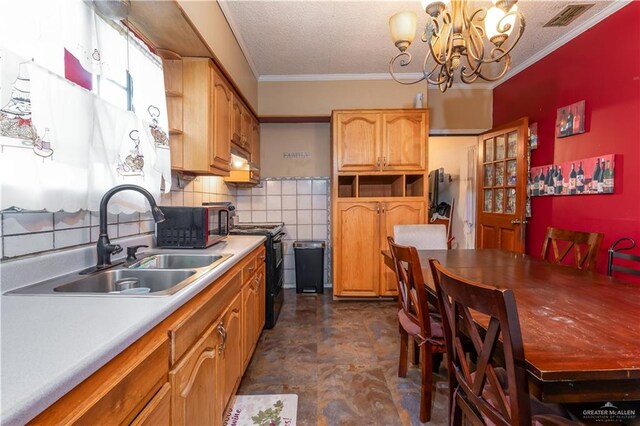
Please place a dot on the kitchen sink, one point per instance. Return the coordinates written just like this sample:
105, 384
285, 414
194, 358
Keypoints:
179, 261
159, 274
125, 281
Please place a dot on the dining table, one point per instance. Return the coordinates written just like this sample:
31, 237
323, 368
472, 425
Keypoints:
580, 330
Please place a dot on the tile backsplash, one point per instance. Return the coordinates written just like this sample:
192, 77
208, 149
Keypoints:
28, 233
302, 203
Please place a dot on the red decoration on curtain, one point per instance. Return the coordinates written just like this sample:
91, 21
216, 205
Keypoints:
75, 72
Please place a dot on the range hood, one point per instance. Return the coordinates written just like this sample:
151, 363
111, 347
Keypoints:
243, 172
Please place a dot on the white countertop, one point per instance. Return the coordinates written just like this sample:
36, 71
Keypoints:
50, 344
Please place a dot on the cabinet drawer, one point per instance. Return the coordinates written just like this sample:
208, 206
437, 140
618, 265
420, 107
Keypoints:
249, 268
188, 330
117, 392
158, 410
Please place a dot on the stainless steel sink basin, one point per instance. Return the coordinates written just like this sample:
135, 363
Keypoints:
127, 281
179, 261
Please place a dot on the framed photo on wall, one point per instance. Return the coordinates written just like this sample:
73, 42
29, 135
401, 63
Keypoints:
570, 120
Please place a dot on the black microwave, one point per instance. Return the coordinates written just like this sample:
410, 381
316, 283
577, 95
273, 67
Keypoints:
192, 227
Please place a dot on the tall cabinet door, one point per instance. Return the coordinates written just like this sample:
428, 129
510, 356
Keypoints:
358, 141
357, 249
396, 213
502, 187
193, 384
222, 114
404, 136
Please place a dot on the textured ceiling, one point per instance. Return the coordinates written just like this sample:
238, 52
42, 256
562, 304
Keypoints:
352, 37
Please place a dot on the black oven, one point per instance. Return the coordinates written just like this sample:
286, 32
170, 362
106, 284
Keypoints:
274, 264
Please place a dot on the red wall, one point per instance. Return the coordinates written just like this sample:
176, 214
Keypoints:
601, 66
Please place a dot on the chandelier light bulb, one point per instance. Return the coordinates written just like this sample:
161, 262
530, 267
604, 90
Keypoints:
494, 23
403, 29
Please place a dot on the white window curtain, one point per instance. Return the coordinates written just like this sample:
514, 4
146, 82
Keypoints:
61, 146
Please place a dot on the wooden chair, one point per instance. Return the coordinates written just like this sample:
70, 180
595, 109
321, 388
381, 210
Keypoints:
585, 247
614, 253
416, 321
484, 391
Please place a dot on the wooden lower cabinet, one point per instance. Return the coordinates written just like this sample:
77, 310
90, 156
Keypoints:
157, 412
396, 213
230, 366
253, 309
194, 383
357, 249
361, 229
186, 369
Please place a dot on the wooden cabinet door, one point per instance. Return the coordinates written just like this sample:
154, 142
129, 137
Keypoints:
158, 411
222, 105
198, 99
357, 249
396, 213
261, 296
357, 145
404, 136
236, 121
249, 319
502, 187
247, 127
255, 145
230, 364
194, 385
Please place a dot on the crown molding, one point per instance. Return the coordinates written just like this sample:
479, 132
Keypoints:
238, 36
561, 41
362, 77
456, 132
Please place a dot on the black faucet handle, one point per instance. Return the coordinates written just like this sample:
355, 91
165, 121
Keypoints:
131, 252
115, 248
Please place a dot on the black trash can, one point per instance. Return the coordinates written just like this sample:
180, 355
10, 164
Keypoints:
309, 266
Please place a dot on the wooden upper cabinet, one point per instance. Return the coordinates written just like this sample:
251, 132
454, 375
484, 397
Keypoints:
207, 105
236, 121
404, 140
247, 127
255, 145
357, 142
222, 106
394, 140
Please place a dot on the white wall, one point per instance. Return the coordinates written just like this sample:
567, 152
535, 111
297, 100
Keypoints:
450, 152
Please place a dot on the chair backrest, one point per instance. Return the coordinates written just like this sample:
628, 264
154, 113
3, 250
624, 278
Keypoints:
411, 287
583, 247
483, 393
614, 253
422, 237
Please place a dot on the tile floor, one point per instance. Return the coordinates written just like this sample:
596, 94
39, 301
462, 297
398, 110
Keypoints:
341, 359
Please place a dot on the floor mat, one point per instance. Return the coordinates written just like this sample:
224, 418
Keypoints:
262, 410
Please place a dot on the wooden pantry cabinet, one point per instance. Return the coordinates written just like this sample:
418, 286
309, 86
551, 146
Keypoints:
380, 140
378, 180
186, 369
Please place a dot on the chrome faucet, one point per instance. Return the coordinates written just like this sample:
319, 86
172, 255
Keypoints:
104, 247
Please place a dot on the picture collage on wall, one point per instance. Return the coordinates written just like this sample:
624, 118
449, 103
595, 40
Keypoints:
588, 176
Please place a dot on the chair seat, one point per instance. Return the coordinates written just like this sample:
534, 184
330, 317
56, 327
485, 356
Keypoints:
414, 329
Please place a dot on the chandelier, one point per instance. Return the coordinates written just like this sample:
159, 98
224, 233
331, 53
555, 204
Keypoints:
461, 41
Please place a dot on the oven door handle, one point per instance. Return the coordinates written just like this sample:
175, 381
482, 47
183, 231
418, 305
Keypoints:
278, 237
